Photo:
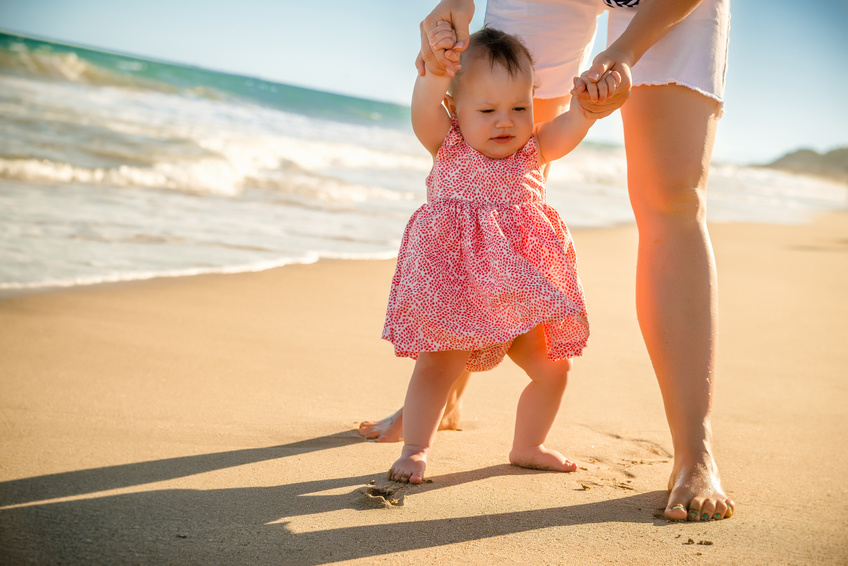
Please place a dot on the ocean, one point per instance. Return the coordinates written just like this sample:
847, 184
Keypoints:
116, 168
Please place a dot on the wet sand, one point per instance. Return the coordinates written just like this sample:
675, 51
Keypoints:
212, 419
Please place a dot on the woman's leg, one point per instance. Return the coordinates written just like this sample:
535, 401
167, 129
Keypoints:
669, 132
539, 403
429, 386
546, 109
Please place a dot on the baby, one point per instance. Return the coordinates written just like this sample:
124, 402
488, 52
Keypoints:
486, 268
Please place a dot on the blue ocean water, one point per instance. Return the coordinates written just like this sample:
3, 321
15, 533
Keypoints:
114, 167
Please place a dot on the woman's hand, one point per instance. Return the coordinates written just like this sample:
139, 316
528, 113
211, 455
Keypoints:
604, 87
458, 14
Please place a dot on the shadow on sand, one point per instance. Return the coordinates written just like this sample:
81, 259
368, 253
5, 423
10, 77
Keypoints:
248, 525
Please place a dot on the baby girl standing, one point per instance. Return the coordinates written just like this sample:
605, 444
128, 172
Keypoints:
486, 268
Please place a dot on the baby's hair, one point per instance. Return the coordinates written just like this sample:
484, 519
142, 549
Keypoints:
500, 48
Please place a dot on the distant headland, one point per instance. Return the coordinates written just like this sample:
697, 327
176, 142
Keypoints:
831, 165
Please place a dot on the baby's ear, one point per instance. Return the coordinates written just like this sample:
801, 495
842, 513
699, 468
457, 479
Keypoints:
450, 105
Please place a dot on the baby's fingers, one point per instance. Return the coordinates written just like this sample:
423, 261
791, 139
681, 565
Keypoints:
616, 76
609, 85
592, 91
443, 31
604, 89
440, 26
579, 85
442, 40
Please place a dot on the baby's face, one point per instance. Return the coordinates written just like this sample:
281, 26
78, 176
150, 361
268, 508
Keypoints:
494, 110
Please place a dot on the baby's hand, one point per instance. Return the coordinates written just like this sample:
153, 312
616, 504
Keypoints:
598, 99
599, 92
442, 40
442, 36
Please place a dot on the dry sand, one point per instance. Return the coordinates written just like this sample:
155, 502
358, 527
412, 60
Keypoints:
211, 420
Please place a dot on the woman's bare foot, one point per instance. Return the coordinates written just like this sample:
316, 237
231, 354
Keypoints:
695, 493
409, 468
390, 429
541, 458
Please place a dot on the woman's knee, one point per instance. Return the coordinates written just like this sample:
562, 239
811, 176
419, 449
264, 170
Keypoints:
668, 201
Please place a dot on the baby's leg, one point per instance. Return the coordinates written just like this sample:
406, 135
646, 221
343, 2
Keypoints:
431, 382
539, 404
390, 429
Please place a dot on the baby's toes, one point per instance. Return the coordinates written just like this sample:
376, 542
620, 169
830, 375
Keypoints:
398, 475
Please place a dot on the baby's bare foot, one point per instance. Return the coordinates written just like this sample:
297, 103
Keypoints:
450, 418
695, 494
409, 468
540, 458
389, 429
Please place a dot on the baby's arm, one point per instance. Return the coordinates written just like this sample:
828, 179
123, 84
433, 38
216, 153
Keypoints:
562, 134
430, 120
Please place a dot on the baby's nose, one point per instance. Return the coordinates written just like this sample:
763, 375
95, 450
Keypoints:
503, 121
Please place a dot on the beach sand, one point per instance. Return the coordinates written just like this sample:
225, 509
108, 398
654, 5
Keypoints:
212, 419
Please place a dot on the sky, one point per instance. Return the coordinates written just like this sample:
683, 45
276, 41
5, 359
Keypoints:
787, 80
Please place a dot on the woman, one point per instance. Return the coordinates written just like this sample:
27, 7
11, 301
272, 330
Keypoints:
673, 53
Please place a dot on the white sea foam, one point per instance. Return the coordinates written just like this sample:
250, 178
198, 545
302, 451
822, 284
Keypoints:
758, 194
205, 176
126, 276
105, 184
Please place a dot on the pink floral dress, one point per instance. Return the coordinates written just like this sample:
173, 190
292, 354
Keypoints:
485, 260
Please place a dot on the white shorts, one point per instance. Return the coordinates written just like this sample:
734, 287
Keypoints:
560, 33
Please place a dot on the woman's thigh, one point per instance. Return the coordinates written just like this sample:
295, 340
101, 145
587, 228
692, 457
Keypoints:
692, 54
669, 132
560, 34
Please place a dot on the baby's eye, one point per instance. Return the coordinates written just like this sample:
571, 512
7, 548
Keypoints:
520, 108
487, 111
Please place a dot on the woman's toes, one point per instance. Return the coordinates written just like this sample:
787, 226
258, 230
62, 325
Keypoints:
676, 512
720, 510
708, 510
695, 509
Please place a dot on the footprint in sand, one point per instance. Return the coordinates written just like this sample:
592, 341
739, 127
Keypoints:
383, 496
619, 472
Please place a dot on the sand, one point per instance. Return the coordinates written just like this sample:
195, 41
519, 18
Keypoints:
212, 420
